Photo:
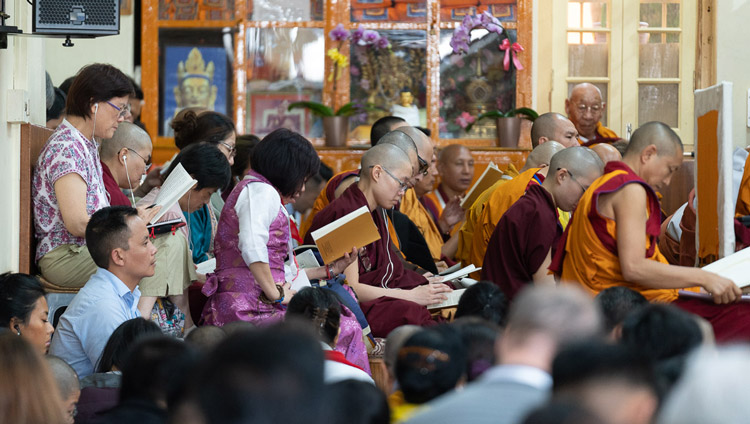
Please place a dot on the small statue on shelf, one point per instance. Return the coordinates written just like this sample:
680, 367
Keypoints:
406, 108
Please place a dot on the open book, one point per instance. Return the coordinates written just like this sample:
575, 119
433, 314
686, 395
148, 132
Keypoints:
490, 176
463, 272
734, 267
451, 301
177, 184
355, 229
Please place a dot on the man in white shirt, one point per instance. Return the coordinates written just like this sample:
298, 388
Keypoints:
119, 244
541, 319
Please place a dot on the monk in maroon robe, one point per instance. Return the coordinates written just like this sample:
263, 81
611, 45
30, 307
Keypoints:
125, 158
389, 294
520, 249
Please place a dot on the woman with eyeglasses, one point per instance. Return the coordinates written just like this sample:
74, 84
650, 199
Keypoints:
255, 264
192, 127
67, 186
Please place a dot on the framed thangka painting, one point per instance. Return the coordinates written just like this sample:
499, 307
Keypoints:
195, 71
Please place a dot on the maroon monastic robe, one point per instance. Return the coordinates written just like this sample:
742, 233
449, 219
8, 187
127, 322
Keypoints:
521, 241
116, 196
379, 266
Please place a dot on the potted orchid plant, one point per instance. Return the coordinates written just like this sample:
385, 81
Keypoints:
336, 123
508, 124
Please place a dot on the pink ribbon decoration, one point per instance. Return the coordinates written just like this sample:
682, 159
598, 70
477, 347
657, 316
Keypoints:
511, 49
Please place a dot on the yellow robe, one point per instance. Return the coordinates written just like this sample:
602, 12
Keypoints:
421, 217
603, 133
743, 198
466, 233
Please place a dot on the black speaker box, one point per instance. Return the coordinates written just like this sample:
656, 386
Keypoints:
77, 17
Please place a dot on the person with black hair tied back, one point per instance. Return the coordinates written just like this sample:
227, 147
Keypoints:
24, 311
485, 300
209, 166
255, 264
323, 308
67, 186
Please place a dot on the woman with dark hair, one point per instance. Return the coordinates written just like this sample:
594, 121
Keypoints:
323, 308
209, 166
484, 300
24, 311
67, 186
255, 263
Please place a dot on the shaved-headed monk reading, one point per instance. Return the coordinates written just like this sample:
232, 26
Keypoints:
612, 237
586, 108
389, 294
607, 152
502, 199
125, 158
521, 247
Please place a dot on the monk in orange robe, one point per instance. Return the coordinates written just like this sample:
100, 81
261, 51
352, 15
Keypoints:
586, 108
455, 165
612, 238
506, 194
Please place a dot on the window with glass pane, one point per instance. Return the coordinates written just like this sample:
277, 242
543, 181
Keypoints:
183, 10
284, 66
285, 10
393, 80
474, 82
389, 11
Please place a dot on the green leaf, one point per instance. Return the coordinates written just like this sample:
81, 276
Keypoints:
346, 110
314, 107
528, 113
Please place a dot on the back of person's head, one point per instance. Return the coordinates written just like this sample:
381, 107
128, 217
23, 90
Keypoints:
18, 296
238, 326
206, 164
382, 126
426, 131
65, 86
485, 300
430, 363
616, 303
564, 314
244, 151
107, 230
321, 307
205, 127
611, 380
137, 92
122, 339
96, 83
265, 376
67, 385
479, 336
713, 389
286, 159
155, 368
393, 343
205, 338
58, 106
27, 388
661, 332
325, 172
562, 412
356, 402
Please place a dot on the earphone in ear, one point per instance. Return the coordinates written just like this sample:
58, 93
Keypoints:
96, 107
18, 329
125, 157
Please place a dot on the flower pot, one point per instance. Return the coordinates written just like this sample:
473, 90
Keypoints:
508, 132
336, 130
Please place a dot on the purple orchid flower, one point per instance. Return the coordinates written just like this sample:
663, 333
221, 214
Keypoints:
382, 43
357, 34
339, 33
370, 36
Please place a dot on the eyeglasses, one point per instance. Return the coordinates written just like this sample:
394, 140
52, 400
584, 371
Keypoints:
232, 149
593, 108
576, 181
146, 162
402, 185
123, 110
423, 166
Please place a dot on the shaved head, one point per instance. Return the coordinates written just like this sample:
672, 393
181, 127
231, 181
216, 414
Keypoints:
385, 155
404, 142
667, 142
448, 153
571, 172
423, 143
542, 154
129, 136
553, 126
606, 152
65, 377
579, 161
585, 108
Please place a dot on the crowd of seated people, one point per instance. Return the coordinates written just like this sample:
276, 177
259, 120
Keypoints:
560, 327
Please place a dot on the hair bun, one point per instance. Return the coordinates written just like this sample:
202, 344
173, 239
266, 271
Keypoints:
184, 124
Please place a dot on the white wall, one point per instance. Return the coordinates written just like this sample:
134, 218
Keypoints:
21, 68
117, 50
733, 60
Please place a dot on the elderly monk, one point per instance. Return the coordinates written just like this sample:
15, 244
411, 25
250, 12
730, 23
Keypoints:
607, 152
553, 126
125, 159
612, 238
538, 158
389, 294
344, 179
585, 108
456, 168
521, 247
